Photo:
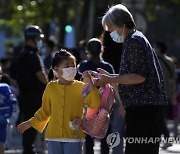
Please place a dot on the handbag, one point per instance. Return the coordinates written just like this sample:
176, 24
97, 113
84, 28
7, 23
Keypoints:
95, 122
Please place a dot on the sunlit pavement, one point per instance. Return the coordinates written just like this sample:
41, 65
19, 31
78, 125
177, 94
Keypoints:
15, 147
171, 150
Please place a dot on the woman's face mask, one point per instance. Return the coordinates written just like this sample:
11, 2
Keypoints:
116, 37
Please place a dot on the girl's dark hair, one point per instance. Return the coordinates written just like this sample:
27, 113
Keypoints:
59, 57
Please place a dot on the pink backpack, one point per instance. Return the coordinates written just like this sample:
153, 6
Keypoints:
95, 122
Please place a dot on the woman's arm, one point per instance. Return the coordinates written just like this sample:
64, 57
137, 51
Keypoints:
120, 79
106, 77
127, 79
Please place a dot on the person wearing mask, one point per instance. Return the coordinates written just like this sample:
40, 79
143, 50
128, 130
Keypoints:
140, 80
32, 79
62, 103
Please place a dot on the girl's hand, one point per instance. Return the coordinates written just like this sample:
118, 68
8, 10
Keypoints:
86, 77
22, 127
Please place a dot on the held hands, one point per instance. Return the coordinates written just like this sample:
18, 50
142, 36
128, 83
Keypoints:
87, 78
22, 127
104, 77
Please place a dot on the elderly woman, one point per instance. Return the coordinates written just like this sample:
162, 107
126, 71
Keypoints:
140, 82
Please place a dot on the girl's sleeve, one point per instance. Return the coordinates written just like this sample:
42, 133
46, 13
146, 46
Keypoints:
42, 116
93, 99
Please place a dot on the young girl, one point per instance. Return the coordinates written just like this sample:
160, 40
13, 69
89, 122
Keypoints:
62, 102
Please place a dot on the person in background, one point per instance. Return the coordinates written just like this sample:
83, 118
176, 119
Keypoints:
6, 78
62, 103
169, 73
7, 106
112, 53
3, 125
82, 50
49, 53
32, 79
140, 80
95, 50
11, 122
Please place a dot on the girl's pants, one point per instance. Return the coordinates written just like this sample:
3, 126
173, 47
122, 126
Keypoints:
55, 147
144, 123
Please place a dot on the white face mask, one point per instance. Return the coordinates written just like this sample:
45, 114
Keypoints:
69, 73
39, 44
116, 37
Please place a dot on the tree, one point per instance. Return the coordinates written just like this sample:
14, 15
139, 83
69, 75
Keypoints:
162, 17
41, 12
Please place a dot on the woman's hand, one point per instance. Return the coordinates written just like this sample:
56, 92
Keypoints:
102, 71
103, 79
22, 127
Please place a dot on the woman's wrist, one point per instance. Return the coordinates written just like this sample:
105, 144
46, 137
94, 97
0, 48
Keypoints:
114, 79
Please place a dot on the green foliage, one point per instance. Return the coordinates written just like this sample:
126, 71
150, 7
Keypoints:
19, 14
162, 20
157, 8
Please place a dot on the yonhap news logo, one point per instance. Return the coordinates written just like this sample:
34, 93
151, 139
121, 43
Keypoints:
114, 140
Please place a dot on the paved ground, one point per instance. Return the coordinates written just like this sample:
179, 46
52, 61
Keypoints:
15, 147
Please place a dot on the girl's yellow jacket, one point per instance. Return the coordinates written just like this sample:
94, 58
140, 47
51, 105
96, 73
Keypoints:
60, 105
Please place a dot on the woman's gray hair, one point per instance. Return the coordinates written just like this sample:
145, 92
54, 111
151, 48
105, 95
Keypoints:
118, 15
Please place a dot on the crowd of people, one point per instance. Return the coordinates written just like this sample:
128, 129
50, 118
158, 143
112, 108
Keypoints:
49, 87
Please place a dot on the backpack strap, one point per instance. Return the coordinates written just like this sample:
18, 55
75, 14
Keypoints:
84, 112
106, 92
85, 92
